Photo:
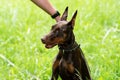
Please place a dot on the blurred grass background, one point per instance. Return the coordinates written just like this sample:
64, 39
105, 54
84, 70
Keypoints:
22, 24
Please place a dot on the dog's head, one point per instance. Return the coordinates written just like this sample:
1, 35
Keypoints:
60, 31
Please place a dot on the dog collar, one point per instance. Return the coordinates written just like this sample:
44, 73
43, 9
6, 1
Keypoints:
70, 49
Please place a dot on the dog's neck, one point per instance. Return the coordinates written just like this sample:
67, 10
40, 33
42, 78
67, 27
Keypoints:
69, 44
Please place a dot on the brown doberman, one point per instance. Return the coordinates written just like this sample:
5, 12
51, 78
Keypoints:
70, 63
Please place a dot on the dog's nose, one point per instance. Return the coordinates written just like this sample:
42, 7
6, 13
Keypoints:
43, 40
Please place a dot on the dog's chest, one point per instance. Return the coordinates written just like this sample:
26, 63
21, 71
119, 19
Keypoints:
66, 67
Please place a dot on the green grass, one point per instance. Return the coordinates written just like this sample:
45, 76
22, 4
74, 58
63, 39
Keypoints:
22, 24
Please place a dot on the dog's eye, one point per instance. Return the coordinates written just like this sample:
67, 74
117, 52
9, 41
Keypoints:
57, 33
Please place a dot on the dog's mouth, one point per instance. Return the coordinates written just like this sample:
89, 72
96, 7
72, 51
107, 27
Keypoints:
50, 45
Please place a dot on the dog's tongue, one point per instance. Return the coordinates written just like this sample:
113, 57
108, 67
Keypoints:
48, 46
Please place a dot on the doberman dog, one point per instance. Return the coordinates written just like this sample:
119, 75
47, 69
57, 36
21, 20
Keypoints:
70, 63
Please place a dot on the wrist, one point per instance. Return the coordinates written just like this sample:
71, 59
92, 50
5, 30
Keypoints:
55, 15
57, 18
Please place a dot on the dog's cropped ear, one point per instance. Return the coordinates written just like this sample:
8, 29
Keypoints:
72, 21
65, 14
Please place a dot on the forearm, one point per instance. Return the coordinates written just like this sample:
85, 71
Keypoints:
45, 5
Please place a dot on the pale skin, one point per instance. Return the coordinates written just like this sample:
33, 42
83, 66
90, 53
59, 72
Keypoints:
47, 7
